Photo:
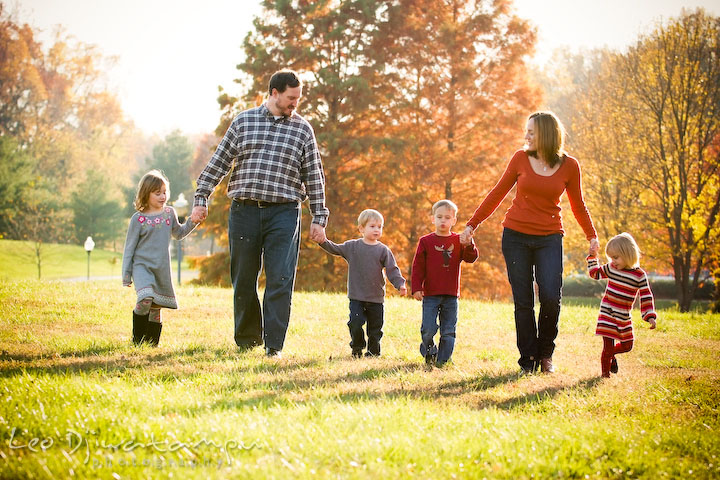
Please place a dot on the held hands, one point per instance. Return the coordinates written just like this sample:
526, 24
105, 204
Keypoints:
317, 233
466, 235
594, 247
199, 214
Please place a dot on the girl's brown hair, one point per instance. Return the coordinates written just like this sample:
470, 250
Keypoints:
549, 137
150, 182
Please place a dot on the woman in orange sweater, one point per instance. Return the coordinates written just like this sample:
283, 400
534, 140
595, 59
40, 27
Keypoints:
532, 236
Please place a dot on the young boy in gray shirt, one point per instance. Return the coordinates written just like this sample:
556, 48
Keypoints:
366, 258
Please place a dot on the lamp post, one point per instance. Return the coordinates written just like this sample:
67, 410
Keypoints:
181, 207
89, 245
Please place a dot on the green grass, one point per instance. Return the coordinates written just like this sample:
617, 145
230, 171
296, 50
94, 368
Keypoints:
19, 261
197, 408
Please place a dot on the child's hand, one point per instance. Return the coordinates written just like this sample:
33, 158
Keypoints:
403, 290
652, 323
418, 295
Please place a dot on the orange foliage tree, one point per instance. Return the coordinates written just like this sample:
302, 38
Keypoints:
411, 101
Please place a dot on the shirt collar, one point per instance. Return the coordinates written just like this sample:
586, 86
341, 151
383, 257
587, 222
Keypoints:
264, 110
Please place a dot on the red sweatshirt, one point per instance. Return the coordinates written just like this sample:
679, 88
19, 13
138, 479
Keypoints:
436, 266
535, 210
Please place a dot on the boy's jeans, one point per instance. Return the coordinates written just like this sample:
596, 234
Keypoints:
372, 314
446, 308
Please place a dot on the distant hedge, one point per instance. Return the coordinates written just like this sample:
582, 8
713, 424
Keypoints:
582, 286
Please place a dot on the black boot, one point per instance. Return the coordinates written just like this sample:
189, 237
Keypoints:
140, 330
153, 333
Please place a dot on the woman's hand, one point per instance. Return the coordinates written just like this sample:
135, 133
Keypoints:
466, 235
594, 247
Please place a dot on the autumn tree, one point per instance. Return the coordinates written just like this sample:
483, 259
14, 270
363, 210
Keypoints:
408, 101
651, 116
462, 94
55, 106
334, 45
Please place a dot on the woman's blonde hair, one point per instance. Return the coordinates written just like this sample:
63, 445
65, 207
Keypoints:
367, 215
150, 182
625, 247
549, 137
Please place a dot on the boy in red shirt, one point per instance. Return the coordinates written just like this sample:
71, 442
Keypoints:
436, 281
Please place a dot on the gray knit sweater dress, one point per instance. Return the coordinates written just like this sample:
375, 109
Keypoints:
146, 259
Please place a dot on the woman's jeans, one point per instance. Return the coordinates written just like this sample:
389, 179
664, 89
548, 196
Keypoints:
268, 237
444, 308
538, 258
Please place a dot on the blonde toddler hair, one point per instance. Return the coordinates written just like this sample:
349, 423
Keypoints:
367, 215
445, 203
626, 248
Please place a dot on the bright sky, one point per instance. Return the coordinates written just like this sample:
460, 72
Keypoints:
173, 54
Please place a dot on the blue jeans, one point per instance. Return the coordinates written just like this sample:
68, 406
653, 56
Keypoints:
266, 237
537, 258
444, 307
360, 314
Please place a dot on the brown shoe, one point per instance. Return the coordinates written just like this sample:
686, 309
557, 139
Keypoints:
546, 365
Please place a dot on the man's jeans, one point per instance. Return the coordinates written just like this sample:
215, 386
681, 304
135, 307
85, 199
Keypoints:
268, 237
444, 307
372, 314
539, 258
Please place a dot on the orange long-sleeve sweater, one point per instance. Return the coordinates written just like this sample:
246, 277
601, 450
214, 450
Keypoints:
535, 210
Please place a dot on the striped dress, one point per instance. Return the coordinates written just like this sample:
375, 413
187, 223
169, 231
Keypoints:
623, 286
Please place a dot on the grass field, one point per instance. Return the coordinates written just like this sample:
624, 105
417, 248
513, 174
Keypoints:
78, 400
19, 261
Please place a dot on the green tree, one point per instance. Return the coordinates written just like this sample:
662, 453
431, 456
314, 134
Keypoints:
15, 180
94, 214
174, 156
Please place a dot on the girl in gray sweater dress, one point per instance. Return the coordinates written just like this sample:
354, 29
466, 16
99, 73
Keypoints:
146, 259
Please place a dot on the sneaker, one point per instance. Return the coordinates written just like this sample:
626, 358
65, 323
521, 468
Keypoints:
613, 366
526, 371
371, 354
357, 354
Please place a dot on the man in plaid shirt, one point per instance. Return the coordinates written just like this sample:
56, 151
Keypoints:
275, 165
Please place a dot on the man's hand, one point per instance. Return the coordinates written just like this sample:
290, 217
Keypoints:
418, 295
199, 214
317, 233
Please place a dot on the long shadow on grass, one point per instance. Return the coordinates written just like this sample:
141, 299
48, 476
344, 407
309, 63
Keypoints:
290, 392
110, 359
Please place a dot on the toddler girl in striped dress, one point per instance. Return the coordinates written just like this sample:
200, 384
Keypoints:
625, 280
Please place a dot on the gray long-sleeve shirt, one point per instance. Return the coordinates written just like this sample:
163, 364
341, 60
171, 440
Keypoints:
365, 268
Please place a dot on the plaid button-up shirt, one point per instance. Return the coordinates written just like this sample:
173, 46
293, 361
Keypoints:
275, 160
